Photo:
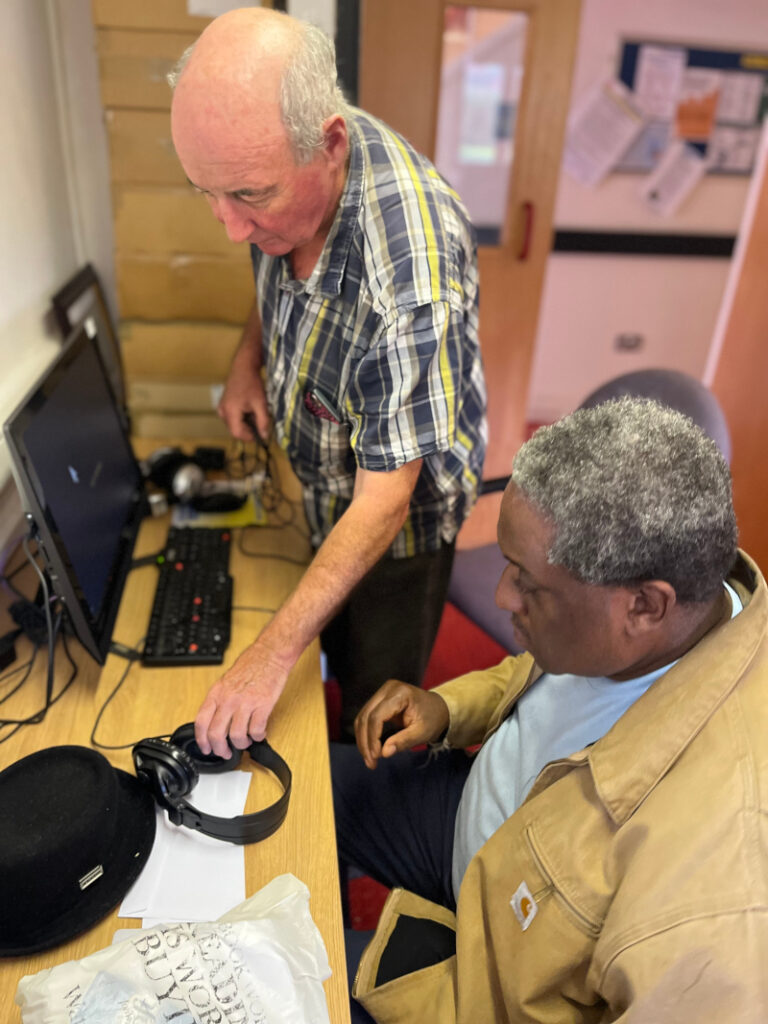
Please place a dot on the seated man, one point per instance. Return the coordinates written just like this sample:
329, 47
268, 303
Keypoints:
604, 856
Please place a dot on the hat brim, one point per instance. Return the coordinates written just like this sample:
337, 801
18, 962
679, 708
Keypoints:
137, 821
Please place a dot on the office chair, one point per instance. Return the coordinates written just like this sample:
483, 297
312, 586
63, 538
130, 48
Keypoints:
477, 571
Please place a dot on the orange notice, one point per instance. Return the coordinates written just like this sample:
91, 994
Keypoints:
695, 118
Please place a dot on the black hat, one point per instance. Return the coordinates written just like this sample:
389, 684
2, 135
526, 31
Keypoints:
74, 835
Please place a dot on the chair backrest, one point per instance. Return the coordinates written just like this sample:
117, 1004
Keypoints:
676, 390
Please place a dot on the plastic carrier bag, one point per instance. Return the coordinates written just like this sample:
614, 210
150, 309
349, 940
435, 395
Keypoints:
262, 962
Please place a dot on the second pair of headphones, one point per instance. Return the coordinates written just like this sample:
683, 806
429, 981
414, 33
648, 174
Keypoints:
183, 478
171, 770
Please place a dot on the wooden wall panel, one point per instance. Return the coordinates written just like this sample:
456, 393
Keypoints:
145, 14
178, 396
153, 14
141, 149
162, 425
133, 66
184, 288
157, 349
159, 219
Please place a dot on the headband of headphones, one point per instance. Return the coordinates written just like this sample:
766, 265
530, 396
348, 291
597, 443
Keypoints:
171, 770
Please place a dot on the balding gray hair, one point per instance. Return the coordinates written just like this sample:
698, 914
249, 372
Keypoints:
635, 491
309, 91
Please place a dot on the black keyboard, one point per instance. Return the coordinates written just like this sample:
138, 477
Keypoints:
191, 613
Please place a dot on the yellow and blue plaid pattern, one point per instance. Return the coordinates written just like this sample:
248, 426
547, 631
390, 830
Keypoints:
374, 360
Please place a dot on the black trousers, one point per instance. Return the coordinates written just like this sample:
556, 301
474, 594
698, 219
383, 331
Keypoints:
387, 627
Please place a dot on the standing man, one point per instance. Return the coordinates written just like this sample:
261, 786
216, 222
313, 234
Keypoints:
365, 330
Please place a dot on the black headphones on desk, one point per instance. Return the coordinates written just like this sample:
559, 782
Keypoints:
171, 770
183, 479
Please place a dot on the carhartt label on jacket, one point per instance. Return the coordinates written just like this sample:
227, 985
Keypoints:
524, 905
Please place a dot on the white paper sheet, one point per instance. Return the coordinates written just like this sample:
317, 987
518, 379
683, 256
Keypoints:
189, 876
733, 149
603, 127
680, 170
740, 95
658, 80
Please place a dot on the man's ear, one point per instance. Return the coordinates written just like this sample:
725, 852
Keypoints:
336, 139
649, 606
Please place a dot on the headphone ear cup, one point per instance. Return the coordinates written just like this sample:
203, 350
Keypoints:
170, 772
207, 764
162, 465
177, 780
188, 481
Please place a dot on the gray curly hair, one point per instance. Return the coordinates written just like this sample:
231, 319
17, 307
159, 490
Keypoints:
635, 491
309, 91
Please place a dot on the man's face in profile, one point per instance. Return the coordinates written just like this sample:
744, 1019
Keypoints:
567, 625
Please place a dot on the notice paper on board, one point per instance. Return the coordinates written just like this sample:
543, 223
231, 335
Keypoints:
679, 171
603, 127
659, 79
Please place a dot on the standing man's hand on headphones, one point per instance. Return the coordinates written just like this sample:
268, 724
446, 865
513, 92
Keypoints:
239, 704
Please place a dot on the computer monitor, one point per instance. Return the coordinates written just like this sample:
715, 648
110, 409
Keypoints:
80, 485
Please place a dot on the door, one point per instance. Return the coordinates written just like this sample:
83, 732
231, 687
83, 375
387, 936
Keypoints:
483, 90
738, 368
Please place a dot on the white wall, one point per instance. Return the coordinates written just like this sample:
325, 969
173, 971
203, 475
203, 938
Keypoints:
673, 303
587, 301
54, 188
320, 12
37, 248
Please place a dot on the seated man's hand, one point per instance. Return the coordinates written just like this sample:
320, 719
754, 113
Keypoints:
420, 716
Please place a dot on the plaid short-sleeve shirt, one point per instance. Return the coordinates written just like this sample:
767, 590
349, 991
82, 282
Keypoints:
374, 360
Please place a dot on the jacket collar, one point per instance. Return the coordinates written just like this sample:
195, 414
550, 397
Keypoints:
637, 752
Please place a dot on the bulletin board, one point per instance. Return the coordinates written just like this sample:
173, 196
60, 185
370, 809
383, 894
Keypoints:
715, 100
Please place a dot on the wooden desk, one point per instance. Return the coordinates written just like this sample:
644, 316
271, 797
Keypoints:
153, 702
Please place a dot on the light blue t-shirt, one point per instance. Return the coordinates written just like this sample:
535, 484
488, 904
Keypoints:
559, 715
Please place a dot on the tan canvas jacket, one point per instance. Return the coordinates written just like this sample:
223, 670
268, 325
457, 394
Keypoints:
632, 883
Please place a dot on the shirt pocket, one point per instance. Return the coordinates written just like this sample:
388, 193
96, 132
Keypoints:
320, 434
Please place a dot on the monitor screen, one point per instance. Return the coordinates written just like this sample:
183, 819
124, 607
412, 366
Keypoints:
80, 484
